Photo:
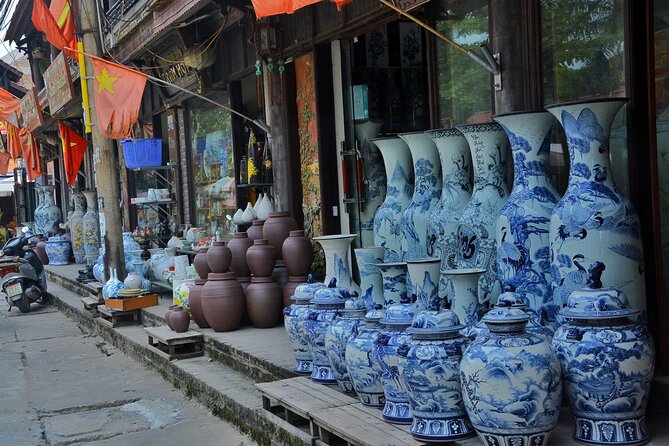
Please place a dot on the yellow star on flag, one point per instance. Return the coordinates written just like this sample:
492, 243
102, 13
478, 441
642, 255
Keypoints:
105, 82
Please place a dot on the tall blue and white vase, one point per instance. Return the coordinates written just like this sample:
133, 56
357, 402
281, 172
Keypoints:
424, 274
336, 338
607, 362
293, 320
366, 378
91, 225
595, 235
132, 252
399, 174
464, 296
394, 277
374, 179
77, 229
477, 228
429, 365
426, 194
456, 191
523, 246
50, 214
371, 282
37, 213
338, 261
511, 382
385, 356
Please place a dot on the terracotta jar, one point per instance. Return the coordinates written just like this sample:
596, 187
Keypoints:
298, 253
200, 263
264, 302
168, 315
180, 320
277, 228
261, 258
245, 282
238, 245
219, 257
255, 231
280, 274
290, 287
222, 302
195, 302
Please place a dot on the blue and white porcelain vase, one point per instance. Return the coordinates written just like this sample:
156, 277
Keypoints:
607, 362
337, 260
375, 178
426, 194
399, 173
365, 376
385, 357
424, 274
456, 191
371, 282
91, 225
37, 213
77, 230
511, 382
464, 295
394, 277
477, 229
523, 251
595, 234
99, 269
131, 250
112, 286
429, 365
58, 249
328, 306
293, 319
337, 337
140, 268
50, 214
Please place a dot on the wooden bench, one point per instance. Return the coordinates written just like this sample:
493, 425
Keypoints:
91, 305
119, 318
173, 345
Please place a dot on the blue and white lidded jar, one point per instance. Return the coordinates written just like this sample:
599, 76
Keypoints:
293, 319
336, 338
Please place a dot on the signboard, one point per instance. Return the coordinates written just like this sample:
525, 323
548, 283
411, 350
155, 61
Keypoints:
408, 5
59, 87
32, 114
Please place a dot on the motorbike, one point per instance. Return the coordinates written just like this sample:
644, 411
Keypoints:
22, 274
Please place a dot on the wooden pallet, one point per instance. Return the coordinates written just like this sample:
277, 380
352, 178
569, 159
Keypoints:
173, 345
294, 399
358, 425
91, 305
119, 318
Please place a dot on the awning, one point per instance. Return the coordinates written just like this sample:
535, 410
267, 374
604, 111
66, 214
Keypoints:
6, 185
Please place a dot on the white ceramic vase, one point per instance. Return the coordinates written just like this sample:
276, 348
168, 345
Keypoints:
374, 180
371, 281
249, 214
91, 225
464, 295
337, 260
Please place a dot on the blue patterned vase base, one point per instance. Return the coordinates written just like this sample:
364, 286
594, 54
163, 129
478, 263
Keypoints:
323, 374
372, 399
397, 412
303, 367
441, 430
346, 386
628, 432
518, 439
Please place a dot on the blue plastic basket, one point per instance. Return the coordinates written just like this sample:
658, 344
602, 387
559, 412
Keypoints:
142, 152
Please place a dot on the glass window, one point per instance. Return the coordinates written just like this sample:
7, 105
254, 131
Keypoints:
214, 187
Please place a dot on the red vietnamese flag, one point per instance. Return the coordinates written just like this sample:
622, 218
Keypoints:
74, 147
264, 8
14, 146
61, 11
56, 23
10, 107
118, 94
30, 154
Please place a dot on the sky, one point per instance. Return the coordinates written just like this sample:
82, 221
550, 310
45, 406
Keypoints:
6, 47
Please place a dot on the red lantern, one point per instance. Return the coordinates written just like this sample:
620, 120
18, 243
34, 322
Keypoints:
341, 3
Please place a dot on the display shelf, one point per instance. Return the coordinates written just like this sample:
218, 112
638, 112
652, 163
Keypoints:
153, 202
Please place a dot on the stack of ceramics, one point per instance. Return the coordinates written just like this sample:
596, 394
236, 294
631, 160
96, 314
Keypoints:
264, 300
294, 317
298, 253
238, 246
276, 230
200, 263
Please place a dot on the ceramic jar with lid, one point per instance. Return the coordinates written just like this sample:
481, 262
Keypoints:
511, 382
336, 338
429, 364
328, 306
607, 361
293, 319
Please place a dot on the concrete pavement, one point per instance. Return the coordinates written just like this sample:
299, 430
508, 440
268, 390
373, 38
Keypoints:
62, 386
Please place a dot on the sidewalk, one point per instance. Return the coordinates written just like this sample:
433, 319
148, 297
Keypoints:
224, 379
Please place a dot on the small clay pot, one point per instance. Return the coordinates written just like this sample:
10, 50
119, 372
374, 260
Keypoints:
289, 289
180, 320
238, 246
195, 302
264, 302
261, 258
40, 250
222, 302
219, 257
277, 228
200, 263
280, 273
298, 253
168, 315
255, 231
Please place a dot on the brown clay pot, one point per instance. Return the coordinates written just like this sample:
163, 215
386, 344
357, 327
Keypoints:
245, 282
180, 320
195, 302
168, 315
255, 231
298, 253
40, 250
219, 257
200, 263
289, 289
277, 228
238, 246
280, 273
260, 258
222, 302
264, 302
